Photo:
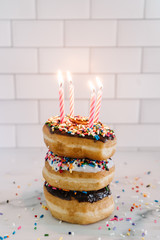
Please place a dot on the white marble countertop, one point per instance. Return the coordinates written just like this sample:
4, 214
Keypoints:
21, 184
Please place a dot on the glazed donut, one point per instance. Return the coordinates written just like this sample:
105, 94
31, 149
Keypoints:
77, 174
73, 138
79, 207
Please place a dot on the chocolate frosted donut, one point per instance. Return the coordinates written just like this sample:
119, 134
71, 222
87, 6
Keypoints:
79, 207
73, 138
89, 196
77, 174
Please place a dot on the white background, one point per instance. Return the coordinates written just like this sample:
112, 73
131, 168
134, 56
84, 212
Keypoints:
118, 40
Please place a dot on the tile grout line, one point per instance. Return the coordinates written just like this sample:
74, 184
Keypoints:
83, 73
11, 33
140, 112
144, 10
82, 47
90, 9
82, 19
36, 10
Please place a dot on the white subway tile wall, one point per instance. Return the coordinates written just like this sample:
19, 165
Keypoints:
5, 39
18, 112
115, 60
37, 33
118, 9
18, 60
90, 33
118, 40
62, 9
139, 33
151, 62
152, 9
74, 59
7, 87
17, 9
33, 136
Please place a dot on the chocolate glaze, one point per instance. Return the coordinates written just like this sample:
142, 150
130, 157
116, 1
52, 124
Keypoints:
89, 196
101, 138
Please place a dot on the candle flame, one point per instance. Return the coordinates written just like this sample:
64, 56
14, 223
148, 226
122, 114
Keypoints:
99, 83
60, 77
91, 86
69, 77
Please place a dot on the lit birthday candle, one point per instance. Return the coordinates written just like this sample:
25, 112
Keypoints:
71, 93
99, 99
61, 96
92, 105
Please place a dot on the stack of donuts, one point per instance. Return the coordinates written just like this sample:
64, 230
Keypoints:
78, 169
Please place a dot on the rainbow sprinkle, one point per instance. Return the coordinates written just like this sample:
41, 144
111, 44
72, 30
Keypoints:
65, 163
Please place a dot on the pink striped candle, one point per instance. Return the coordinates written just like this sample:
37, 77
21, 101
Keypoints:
61, 96
99, 100
92, 105
71, 93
